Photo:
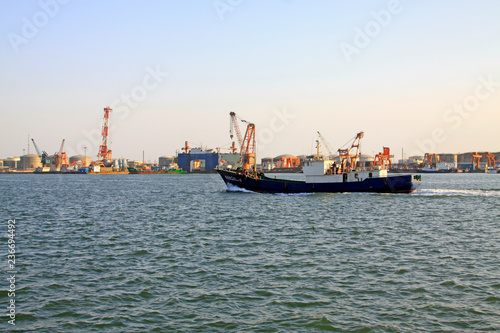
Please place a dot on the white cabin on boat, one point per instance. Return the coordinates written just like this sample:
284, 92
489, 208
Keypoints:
327, 171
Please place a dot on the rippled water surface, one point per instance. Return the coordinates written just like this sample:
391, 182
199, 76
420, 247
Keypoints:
180, 253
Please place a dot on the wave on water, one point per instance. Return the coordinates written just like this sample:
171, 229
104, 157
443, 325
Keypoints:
457, 193
293, 194
234, 188
425, 192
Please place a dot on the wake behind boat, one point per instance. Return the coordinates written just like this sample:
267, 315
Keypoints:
321, 174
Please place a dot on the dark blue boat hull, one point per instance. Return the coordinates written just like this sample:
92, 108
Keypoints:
391, 184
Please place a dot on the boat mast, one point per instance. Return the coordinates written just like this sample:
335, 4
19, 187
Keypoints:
318, 151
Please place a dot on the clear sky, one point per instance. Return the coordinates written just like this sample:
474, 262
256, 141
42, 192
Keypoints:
418, 75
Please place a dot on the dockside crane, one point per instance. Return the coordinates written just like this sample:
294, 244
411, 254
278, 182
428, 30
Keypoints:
383, 160
104, 153
476, 158
491, 159
247, 144
60, 158
44, 156
346, 153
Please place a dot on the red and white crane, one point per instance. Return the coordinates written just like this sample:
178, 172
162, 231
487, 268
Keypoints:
104, 152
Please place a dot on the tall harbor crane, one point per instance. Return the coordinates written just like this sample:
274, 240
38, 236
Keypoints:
247, 144
104, 152
60, 158
44, 156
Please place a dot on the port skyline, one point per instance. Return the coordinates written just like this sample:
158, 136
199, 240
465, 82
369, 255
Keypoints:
323, 150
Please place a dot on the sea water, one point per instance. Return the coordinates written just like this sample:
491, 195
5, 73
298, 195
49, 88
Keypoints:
182, 253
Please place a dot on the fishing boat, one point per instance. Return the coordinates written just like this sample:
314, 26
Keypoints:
322, 174
375, 181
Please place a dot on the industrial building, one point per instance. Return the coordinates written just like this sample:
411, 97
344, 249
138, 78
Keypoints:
266, 163
474, 160
11, 163
471, 161
281, 163
468, 161
80, 160
230, 160
166, 161
205, 160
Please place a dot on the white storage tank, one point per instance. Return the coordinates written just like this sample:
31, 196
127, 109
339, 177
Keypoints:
28, 162
165, 161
